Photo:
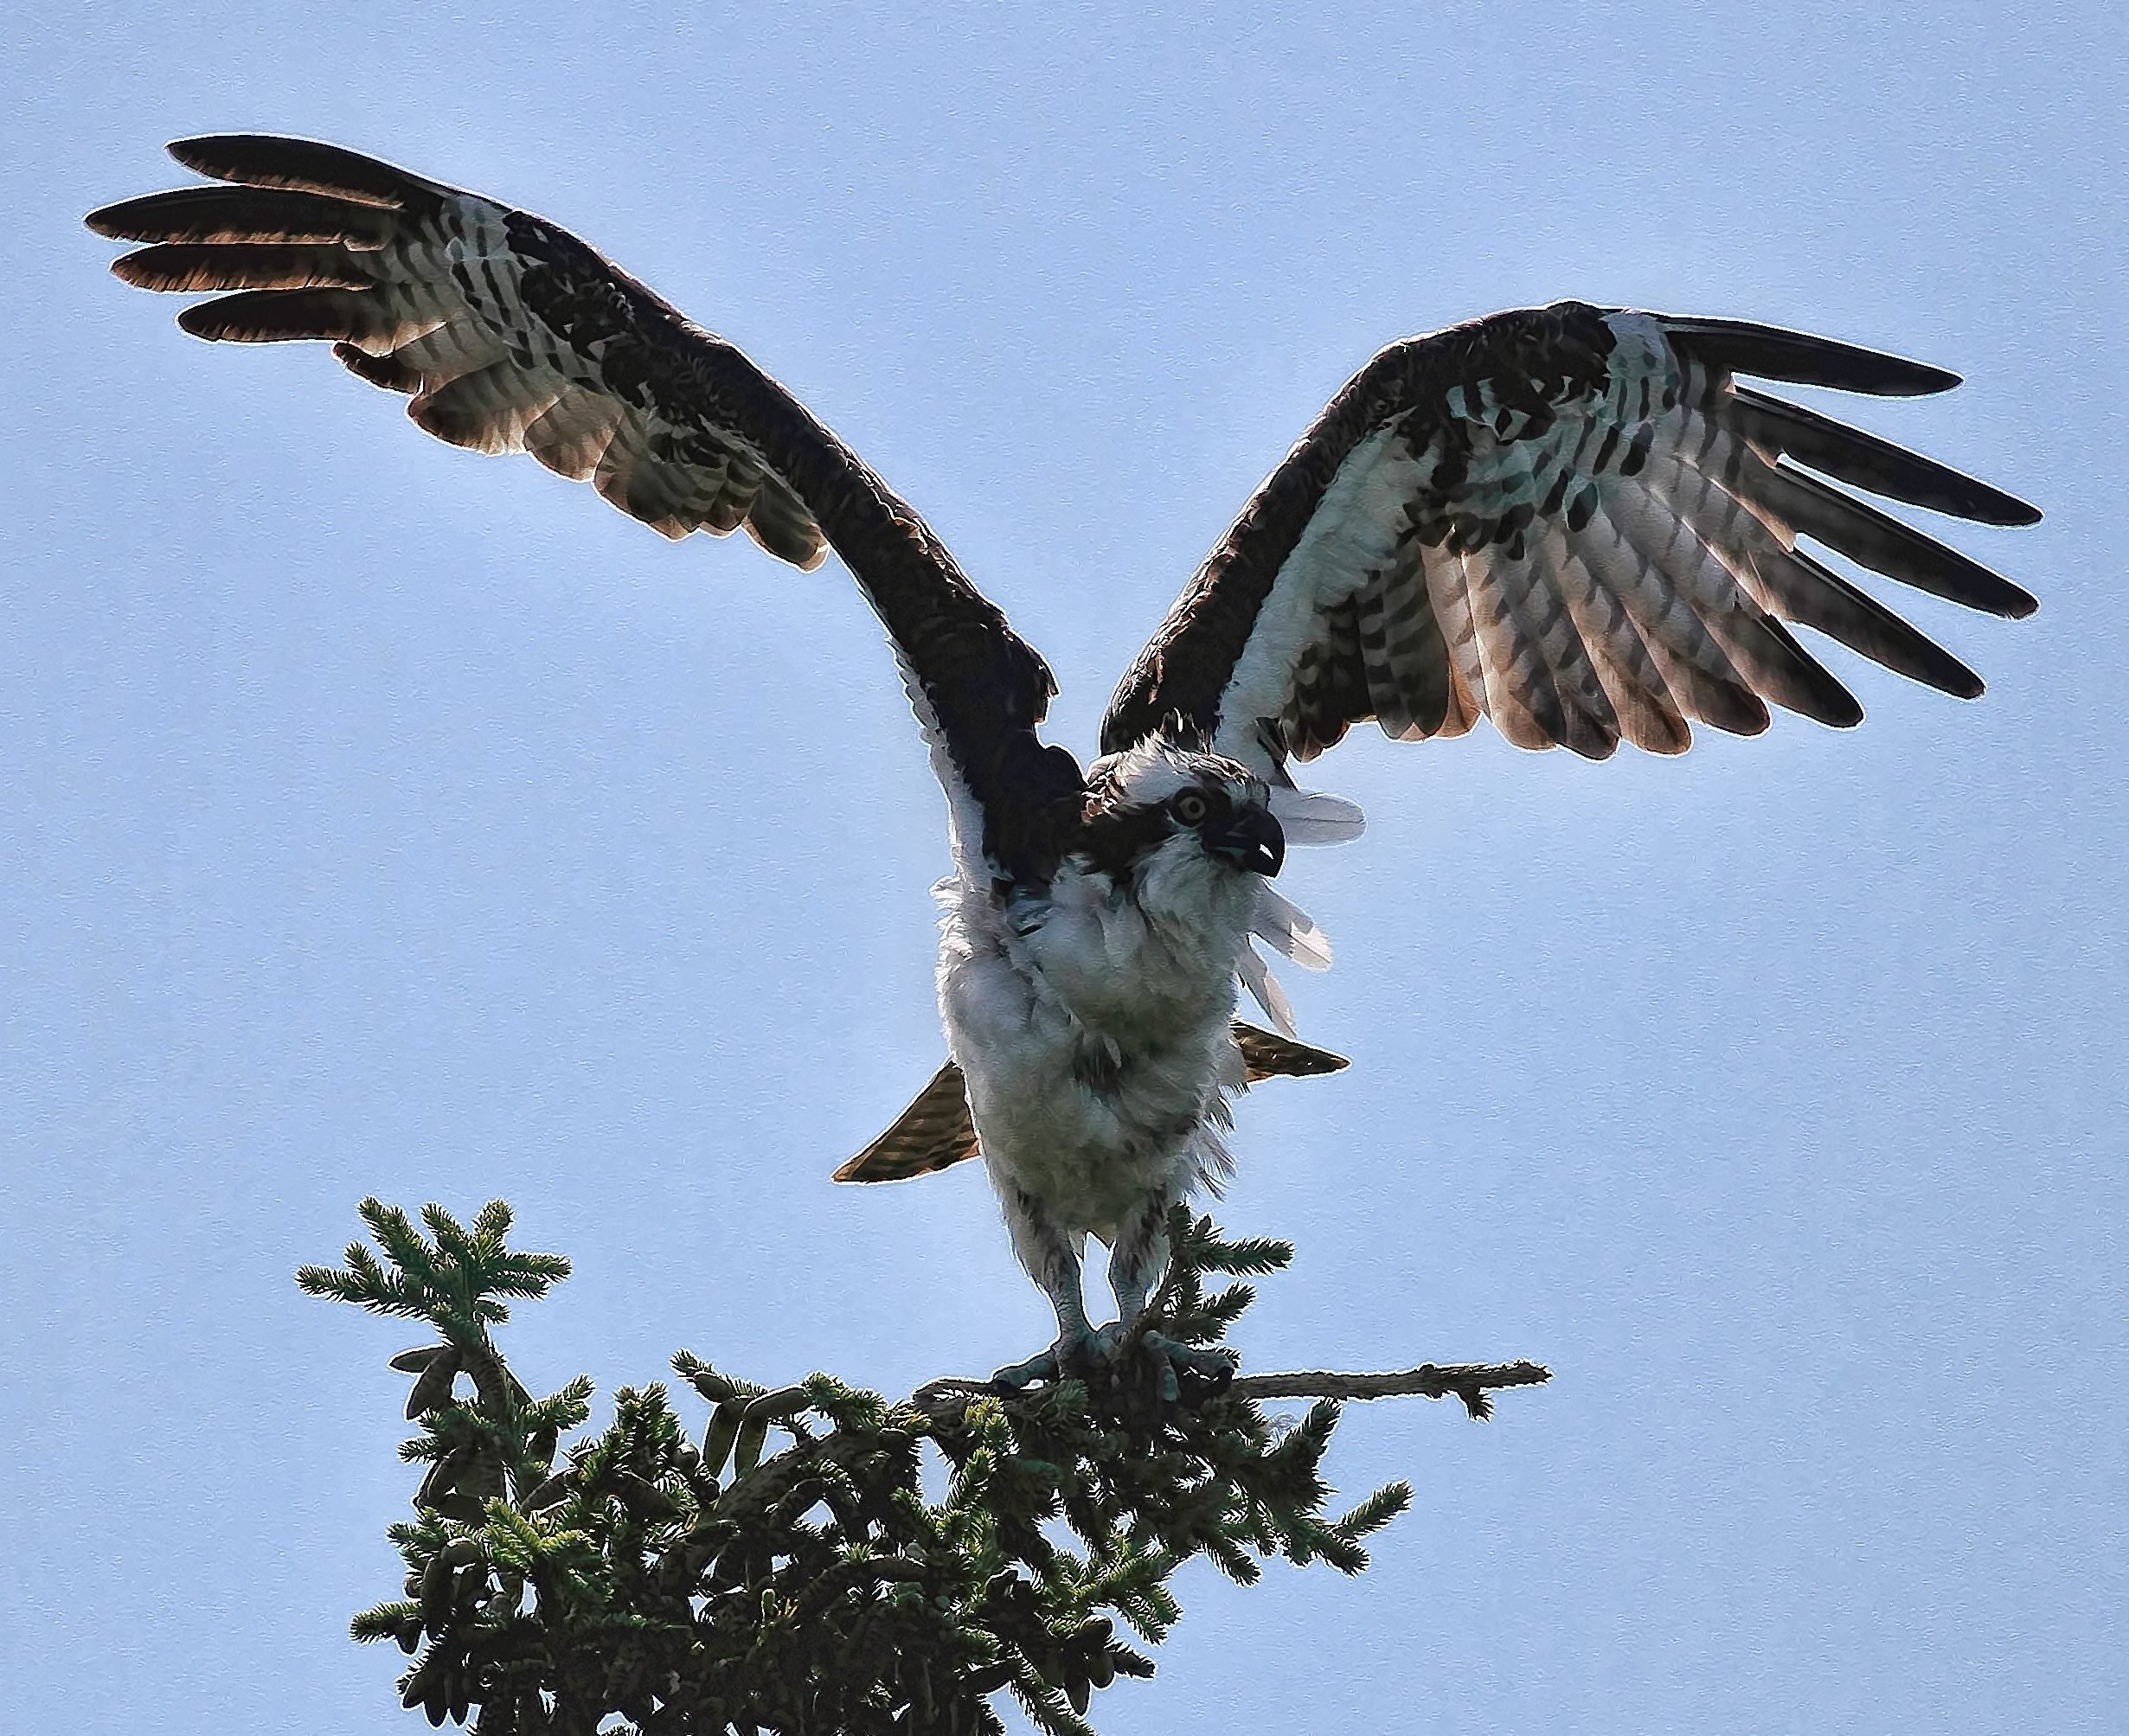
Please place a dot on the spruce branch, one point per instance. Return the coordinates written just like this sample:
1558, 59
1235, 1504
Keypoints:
786, 1569
1470, 1381
1180, 1310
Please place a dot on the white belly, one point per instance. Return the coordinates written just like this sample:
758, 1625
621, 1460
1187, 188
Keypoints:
1098, 1058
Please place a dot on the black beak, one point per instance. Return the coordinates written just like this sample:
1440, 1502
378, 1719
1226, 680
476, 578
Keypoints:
1251, 840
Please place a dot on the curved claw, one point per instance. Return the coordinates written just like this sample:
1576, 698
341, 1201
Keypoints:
1102, 1353
1017, 1377
1208, 1369
1106, 1342
1076, 1355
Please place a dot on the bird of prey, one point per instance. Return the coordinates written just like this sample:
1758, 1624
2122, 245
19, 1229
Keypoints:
1574, 521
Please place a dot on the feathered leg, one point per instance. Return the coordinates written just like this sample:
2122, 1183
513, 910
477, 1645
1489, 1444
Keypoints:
1140, 1253
1051, 1252
1137, 1259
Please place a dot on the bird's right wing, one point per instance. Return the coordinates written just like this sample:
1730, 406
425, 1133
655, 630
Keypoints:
513, 335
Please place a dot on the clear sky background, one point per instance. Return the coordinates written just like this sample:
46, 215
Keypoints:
377, 818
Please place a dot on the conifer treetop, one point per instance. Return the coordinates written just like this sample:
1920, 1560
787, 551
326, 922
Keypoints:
781, 1566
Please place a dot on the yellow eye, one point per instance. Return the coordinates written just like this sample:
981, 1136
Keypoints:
1191, 807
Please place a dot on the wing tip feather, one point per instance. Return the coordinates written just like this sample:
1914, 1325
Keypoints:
387, 371
2006, 510
1773, 352
310, 165
277, 316
119, 221
1943, 671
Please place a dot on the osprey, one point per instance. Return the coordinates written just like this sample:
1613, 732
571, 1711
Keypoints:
1571, 520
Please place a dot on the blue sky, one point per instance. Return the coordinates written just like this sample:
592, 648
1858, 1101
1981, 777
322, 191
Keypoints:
382, 819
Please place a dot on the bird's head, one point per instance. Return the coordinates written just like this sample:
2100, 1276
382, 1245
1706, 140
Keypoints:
1159, 800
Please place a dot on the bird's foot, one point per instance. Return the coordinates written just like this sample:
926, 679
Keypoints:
1185, 1367
1105, 1357
1082, 1355
1017, 1377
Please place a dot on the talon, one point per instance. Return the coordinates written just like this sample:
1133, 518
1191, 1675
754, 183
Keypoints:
1209, 1370
1095, 1355
1017, 1377
1080, 1355
1107, 1341
1099, 1355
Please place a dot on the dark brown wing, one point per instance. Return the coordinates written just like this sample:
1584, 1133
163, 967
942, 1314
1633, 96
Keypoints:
1268, 1055
512, 335
1572, 521
936, 1131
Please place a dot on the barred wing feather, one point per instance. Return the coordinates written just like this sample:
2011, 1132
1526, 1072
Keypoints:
513, 335
1572, 521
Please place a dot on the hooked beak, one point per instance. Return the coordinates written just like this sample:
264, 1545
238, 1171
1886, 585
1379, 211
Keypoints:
1251, 840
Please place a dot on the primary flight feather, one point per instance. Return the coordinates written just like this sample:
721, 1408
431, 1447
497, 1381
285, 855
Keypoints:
1570, 520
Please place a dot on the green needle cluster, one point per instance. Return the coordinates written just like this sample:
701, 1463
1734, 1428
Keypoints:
811, 1557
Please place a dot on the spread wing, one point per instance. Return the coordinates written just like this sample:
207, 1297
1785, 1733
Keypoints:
513, 335
1572, 521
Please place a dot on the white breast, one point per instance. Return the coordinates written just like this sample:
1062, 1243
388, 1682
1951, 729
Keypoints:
1096, 1040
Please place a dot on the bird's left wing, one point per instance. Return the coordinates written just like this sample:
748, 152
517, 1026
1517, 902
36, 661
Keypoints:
513, 335
1571, 520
